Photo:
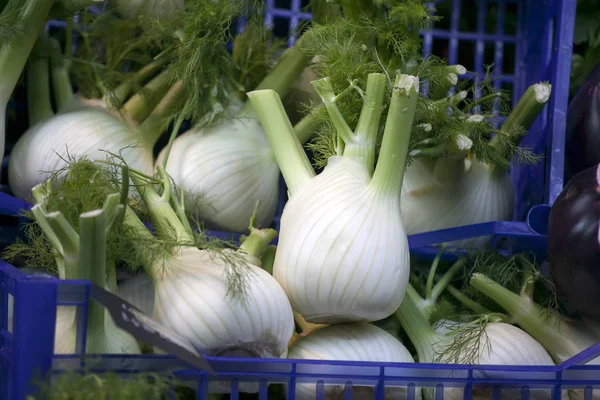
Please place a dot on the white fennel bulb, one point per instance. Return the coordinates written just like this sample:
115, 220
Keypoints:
561, 337
479, 195
192, 297
223, 169
221, 300
490, 343
342, 252
48, 145
350, 342
448, 186
139, 291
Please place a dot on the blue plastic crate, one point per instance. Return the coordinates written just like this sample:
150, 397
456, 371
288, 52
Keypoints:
27, 351
541, 42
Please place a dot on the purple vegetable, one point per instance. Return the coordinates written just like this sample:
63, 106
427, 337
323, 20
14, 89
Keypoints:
582, 147
574, 242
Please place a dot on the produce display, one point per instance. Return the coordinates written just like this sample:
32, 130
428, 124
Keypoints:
150, 123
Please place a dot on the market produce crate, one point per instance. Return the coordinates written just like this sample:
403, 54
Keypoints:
27, 352
541, 41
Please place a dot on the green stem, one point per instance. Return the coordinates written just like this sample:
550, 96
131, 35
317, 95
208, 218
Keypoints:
290, 155
452, 100
14, 53
542, 325
268, 259
480, 100
431, 276
165, 220
305, 128
466, 301
176, 201
61, 83
288, 68
445, 280
391, 164
365, 138
440, 91
142, 103
153, 127
111, 277
144, 238
416, 326
526, 111
38, 83
92, 267
57, 249
324, 89
174, 133
121, 92
69, 240
258, 240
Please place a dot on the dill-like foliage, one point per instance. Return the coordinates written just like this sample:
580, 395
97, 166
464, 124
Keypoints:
79, 187
198, 37
384, 39
90, 386
110, 50
10, 24
469, 342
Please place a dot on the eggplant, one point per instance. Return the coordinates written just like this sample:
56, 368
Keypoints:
574, 243
582, 142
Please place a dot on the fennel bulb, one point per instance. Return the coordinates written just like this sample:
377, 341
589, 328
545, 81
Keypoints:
343, 254
448, 186
191, 296
139, 291
479, 195
561, 337
219, 299
48, 145
224, 169
350, 342
497, 343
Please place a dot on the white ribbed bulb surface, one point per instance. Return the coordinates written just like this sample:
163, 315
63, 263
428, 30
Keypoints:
350, 342
86, 132
342, 253
139, 291
503, 344
192, 299
475, 198
224, 170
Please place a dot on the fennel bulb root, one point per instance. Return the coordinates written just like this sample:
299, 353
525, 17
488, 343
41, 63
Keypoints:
48, 146
350, 342
342, 253
224, 170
